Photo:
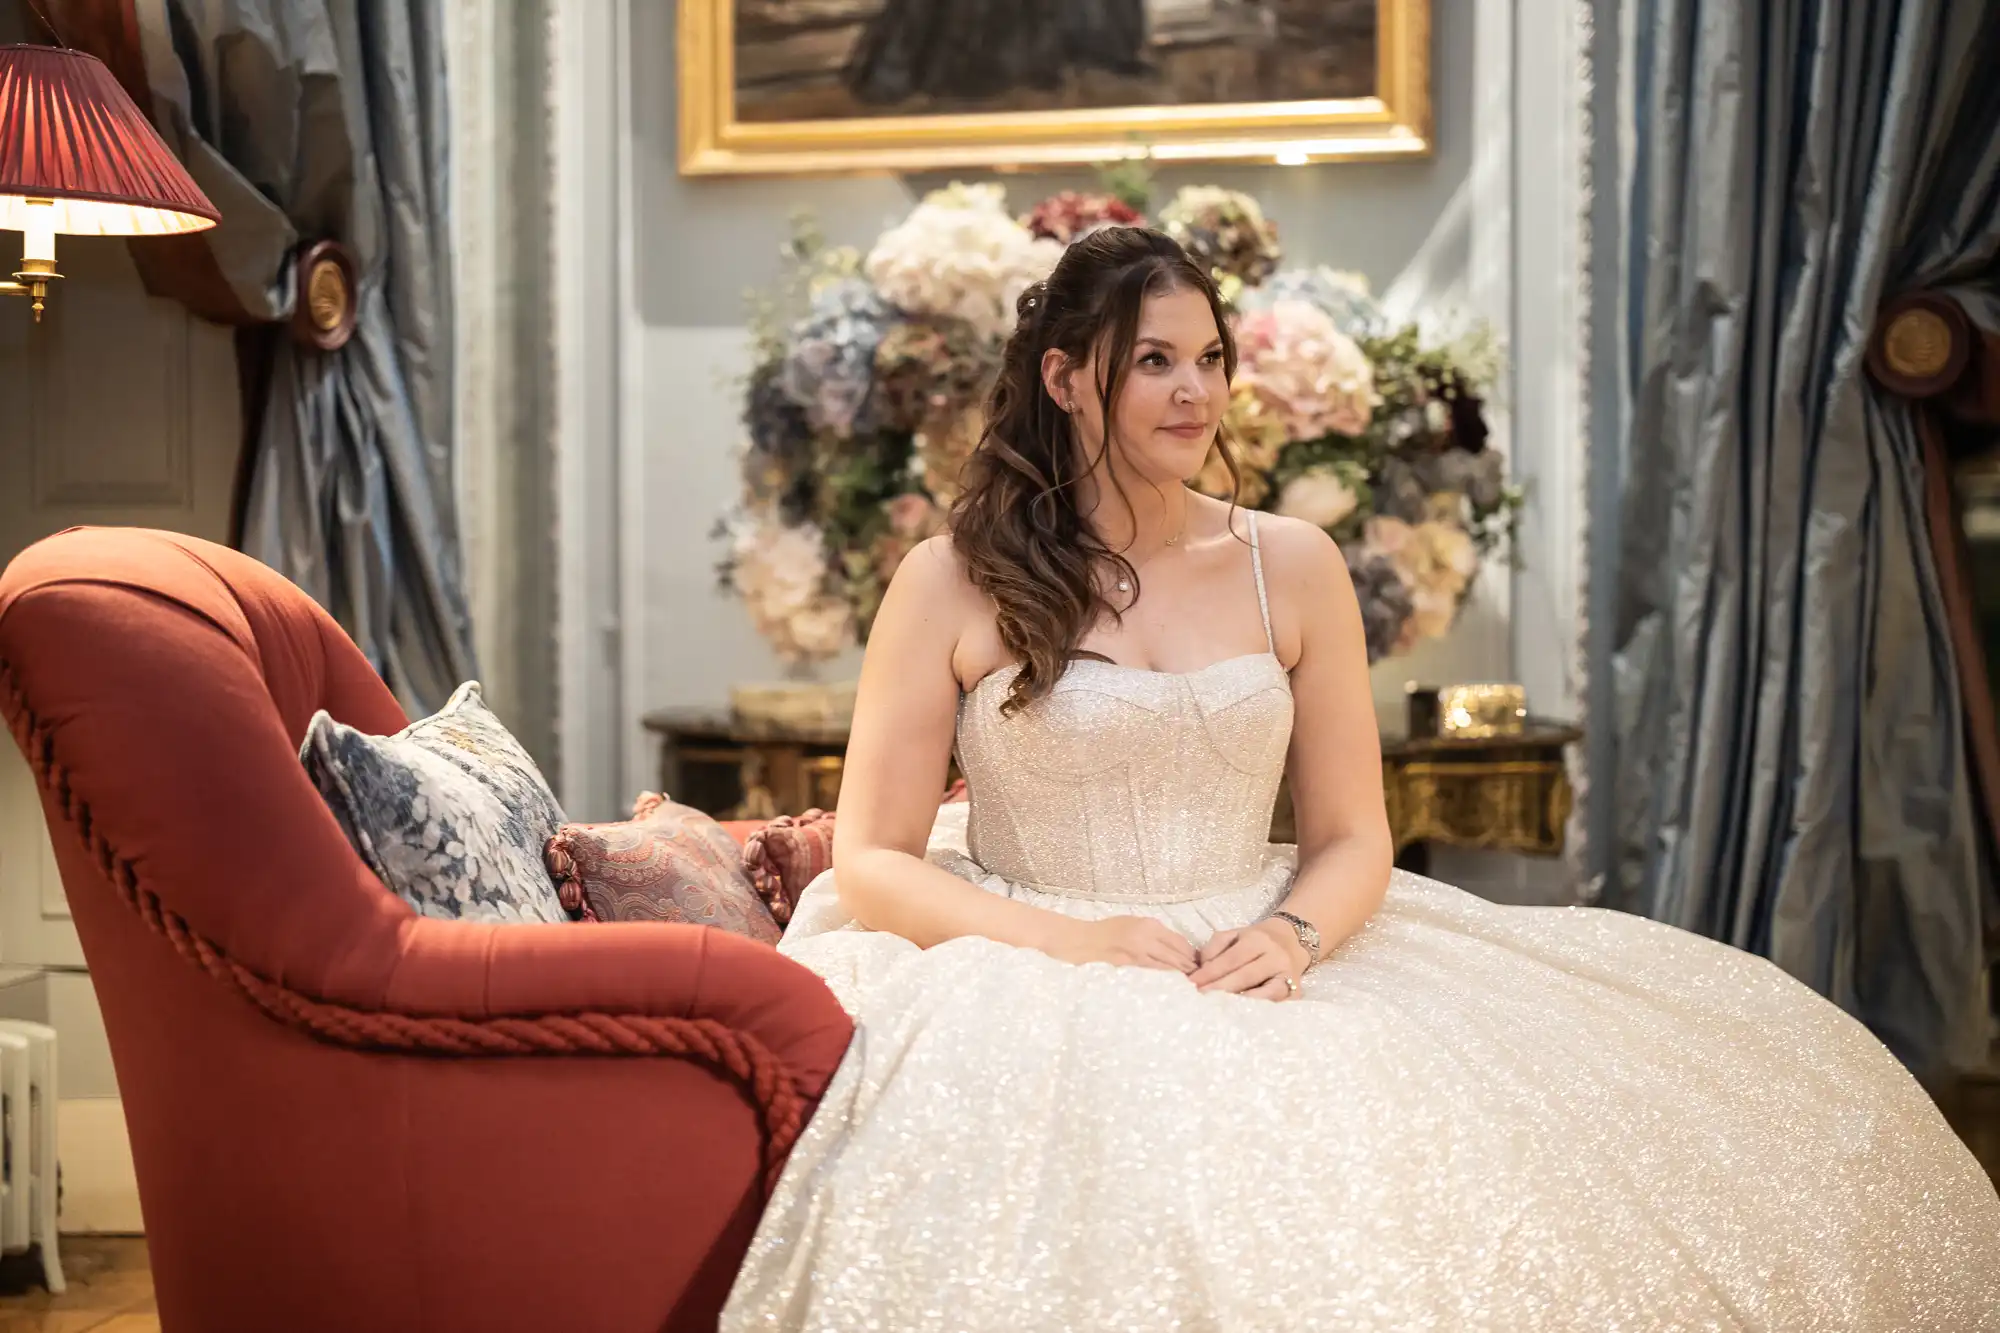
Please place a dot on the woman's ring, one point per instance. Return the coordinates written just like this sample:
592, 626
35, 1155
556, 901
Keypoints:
1291, 987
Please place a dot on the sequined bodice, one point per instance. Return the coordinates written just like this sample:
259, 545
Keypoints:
1124, 784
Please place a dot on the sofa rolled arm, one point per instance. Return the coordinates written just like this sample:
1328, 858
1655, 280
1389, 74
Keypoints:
490, 973
616, 989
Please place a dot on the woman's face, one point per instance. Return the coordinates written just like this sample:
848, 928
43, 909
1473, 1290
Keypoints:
1172, 397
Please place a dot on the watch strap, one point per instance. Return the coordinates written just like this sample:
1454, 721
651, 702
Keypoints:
1307, 932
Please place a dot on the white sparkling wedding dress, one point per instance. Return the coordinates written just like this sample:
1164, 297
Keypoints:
1474, 1117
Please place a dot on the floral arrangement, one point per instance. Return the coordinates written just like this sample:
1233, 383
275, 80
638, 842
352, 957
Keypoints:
871, 372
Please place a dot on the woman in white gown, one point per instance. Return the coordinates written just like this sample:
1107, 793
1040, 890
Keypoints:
1121, 1064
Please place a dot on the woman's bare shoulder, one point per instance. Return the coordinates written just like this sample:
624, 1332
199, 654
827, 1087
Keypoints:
1298, 551
931, 587
1311, 592
934, 569
932, 584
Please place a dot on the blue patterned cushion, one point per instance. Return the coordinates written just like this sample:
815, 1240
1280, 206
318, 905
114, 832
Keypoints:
450, 811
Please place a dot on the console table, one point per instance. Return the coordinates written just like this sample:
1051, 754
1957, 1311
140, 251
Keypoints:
1507, 793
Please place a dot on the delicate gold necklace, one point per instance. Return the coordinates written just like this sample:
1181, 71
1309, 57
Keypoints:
1125, 585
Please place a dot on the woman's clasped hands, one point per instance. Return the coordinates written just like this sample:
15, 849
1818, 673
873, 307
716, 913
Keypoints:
1263, 961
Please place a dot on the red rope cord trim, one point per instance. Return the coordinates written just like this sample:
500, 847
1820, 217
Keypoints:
772, 1089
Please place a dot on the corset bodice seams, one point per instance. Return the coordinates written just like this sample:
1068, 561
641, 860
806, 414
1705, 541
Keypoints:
1125, 783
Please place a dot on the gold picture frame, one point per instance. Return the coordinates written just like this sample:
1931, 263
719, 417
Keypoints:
1395, 122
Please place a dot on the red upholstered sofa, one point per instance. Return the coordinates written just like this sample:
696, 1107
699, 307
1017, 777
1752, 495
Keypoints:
345, 1116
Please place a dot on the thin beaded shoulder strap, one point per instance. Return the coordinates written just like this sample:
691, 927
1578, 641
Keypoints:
1257, 569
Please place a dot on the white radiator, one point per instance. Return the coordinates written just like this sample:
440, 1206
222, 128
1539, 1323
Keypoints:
28, 1179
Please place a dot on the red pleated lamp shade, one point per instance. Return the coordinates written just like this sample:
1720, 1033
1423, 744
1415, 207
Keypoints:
70, 134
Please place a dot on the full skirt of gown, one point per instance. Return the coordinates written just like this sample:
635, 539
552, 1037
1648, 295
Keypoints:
1475, 1117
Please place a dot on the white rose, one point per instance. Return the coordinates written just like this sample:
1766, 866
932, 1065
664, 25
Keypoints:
1456, 552
958, 253
1319, 497
778, 569
823, 629
1432, 611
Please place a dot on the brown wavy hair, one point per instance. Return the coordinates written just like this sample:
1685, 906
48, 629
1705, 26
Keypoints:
1017, 525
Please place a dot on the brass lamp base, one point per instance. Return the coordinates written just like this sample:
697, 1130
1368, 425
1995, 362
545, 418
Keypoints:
32, 280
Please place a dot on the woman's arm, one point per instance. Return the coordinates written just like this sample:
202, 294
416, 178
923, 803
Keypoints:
1345, 851
898, 752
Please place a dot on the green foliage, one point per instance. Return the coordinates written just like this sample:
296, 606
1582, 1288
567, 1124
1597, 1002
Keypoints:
1129, 181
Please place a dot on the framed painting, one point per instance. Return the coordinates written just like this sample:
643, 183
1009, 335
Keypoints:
832, 86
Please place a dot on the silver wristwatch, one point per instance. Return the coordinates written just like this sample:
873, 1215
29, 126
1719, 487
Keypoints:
1307, 932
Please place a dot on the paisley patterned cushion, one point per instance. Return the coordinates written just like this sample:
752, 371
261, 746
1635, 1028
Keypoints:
450, 811
668, 863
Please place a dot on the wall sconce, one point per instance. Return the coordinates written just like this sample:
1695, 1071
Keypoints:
78, 157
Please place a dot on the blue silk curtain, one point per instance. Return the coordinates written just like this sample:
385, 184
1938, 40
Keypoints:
308, 120
1790, 772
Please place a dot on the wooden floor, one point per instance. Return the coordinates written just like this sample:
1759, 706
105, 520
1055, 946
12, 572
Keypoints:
111, 1291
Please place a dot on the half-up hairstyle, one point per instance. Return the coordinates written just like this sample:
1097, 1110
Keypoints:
1017, 526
